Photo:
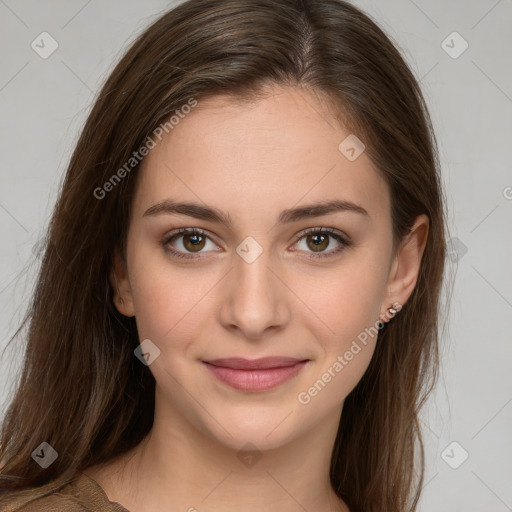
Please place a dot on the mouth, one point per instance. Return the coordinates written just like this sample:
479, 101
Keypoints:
256, 374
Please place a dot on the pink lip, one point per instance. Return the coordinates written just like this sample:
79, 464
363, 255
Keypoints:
256, 374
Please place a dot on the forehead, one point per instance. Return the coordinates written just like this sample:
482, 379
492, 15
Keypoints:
268, 154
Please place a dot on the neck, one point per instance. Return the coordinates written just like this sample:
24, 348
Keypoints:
180, 468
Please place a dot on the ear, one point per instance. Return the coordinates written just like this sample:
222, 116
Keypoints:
118, 277
406, 265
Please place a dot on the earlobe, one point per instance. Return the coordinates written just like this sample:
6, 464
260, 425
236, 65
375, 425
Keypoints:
406, 266
122, 296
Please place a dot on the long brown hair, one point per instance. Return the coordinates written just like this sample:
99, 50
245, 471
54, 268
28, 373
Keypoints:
81, 388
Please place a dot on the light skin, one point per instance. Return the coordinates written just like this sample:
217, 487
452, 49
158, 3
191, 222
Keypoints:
253, 161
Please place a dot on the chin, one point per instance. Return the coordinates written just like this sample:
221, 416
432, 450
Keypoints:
266, 430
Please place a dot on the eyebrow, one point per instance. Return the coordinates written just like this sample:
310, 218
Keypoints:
198, 211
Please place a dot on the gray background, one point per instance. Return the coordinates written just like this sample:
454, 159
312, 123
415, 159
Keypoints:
43, 103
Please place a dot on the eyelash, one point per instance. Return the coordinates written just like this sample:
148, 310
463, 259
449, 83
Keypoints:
345, 243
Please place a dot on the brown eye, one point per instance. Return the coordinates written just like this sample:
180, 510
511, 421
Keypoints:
317, 241
190, 242
185, 242
194, 242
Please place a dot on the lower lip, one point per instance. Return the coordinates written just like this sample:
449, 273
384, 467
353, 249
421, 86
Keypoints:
255, 380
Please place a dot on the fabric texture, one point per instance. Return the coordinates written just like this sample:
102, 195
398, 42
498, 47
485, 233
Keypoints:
78, 494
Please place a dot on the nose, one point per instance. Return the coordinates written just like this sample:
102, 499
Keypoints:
256, 298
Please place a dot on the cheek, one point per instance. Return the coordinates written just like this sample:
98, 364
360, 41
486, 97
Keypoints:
349, 309
347, 300
344, 299
161, 305
170, 304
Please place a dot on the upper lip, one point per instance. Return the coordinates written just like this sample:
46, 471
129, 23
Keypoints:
240, 363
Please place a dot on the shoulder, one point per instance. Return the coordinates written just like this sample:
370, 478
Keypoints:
48, 503
53, 496
75, 494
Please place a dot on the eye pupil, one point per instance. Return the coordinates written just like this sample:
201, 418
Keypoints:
195, 243
318, 243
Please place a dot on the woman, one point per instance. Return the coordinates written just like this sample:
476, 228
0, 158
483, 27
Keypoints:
238, 301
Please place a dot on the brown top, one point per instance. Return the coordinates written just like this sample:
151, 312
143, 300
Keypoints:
81, 494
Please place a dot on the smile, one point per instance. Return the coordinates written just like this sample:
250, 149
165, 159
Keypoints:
256, 375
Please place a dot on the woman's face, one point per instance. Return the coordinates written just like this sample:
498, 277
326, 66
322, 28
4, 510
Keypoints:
255, 282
